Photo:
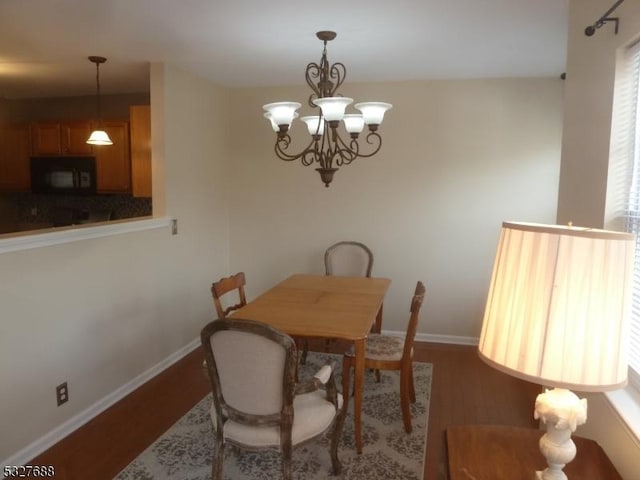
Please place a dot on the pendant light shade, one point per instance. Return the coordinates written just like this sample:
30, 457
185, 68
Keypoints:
98, 136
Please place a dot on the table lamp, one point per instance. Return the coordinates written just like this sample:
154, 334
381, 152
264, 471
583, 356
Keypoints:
557, 314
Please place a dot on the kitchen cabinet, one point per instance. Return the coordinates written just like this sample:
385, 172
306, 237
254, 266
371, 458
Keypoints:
140, 126
14, 158
113, 162
61, 138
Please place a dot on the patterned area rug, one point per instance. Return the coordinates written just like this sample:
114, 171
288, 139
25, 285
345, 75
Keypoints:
185, 451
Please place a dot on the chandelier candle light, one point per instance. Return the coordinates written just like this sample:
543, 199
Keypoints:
558, 314
98, 136
327, 148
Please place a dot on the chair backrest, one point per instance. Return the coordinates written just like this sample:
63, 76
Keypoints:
353, 259
224, 286
252, 368
416, 303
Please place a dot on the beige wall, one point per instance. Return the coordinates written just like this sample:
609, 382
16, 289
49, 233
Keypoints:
97, 313
458, 158
583, 180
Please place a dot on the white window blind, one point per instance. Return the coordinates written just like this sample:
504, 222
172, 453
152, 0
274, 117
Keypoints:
623, 196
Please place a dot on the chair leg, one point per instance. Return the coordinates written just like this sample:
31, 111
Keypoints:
216, 473
346, 380
286, 468
405, 391
286, 464
336, 436
412, 388
305, 350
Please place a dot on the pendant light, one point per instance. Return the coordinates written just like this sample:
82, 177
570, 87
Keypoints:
98, 136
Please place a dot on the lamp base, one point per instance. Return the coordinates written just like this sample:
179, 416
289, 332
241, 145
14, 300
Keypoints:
545, 475
562, 411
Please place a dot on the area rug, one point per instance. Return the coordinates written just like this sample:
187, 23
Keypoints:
185, 451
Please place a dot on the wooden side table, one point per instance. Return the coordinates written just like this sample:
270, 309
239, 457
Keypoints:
494, 452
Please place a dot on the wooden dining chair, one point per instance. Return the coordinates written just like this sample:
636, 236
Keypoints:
384, 352
257, 402
224, 286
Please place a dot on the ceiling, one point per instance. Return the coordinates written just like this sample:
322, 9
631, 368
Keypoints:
244, 43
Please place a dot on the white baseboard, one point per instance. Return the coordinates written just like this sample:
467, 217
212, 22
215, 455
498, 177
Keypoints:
434, 338
452, 339
54, 436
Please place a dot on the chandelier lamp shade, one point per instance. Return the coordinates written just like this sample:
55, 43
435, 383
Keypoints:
98, 136
327, 148
558, 314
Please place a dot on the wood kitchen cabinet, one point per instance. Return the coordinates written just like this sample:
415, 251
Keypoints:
113, 162
140, 126
14, 158
61, 138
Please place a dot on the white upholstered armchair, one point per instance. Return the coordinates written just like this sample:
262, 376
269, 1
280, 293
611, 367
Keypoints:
257, 403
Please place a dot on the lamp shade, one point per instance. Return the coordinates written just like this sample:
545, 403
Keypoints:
315, 124
353, 122
99, 137
282, 113
373, 112
332, 107
558, 307
273, 124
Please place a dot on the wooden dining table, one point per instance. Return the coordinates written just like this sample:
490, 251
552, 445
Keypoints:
324, 306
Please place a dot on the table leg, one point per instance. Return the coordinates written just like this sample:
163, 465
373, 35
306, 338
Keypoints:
378, 325
358, 389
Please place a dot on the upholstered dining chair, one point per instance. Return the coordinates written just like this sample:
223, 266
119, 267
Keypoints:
224, 286
257, 403
347, 258
385, 352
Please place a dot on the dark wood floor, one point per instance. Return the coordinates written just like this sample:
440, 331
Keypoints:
464, 391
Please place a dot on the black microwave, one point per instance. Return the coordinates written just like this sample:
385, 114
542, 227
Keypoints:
70, 175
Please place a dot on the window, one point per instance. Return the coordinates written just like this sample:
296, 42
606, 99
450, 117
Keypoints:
623, 196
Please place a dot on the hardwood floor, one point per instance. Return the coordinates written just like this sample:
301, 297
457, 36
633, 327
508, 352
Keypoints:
464, 391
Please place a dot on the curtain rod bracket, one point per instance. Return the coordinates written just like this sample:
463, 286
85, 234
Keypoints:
605, 18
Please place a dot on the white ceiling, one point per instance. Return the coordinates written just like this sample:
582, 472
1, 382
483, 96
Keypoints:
44, 44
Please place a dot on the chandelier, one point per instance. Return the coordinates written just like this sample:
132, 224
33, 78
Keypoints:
327, 148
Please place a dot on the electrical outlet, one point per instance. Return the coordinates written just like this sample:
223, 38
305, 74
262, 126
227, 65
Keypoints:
174, 226
62, 393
